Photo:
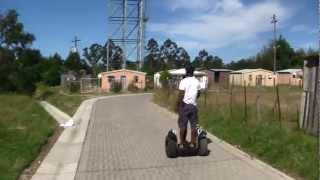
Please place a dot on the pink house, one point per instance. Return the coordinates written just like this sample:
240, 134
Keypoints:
124, 76
292, 77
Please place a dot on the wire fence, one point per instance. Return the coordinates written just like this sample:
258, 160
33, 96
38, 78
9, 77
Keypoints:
256, 104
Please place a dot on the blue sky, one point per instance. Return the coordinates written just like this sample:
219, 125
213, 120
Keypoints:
231, 29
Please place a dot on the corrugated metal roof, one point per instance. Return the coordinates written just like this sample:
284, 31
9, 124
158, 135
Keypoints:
291, 71
243, 71
182, 71
220, 70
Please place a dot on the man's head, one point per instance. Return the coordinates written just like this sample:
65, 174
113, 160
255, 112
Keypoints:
189, 70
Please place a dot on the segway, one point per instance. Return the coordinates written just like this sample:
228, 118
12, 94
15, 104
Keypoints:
173, 151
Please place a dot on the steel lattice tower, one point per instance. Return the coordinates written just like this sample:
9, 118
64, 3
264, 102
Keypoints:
127, 28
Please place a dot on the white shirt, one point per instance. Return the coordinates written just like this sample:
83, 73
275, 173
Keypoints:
190, 86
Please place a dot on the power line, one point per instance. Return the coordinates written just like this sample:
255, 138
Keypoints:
75, 41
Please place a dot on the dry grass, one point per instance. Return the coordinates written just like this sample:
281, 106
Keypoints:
285, 147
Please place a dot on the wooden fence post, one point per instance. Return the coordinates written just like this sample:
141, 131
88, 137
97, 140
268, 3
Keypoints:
245, 102
278, 105
231, 98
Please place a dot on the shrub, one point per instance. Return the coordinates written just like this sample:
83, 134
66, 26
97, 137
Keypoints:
116, 87
132, 87
164, 79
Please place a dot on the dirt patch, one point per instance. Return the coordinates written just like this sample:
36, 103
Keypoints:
31, 170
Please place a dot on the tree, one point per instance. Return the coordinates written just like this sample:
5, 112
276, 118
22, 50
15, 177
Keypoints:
285, 53
94, 56
12, 34
51, 69
73, 62
199, 60
152, 62
168, 54
183, 57
298, 58
117, 58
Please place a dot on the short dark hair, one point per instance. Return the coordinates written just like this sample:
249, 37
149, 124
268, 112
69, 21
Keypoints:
189, 70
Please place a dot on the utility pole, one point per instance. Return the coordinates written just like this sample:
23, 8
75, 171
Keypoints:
124, 33
274, 22
75, 41
142, 20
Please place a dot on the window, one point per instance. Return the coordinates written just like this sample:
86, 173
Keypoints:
136, 79
110, 78
293, 76
250, 77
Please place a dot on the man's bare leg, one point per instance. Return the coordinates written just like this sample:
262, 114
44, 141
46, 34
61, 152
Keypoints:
183, 135
194, 136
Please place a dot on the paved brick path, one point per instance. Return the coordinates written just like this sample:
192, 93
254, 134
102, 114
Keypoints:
125, 140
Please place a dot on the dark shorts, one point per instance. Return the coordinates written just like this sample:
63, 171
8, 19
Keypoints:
188, 112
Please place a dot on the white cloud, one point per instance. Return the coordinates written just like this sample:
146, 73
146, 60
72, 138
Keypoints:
190, 4
299, 28
228, 22
303, 28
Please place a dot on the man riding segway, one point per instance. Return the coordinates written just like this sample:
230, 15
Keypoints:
189, 91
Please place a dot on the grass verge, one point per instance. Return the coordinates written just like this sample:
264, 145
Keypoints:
24, 128
287, 149
68, 103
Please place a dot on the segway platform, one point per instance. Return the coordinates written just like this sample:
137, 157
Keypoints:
173, 150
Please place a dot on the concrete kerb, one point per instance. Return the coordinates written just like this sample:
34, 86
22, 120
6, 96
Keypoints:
62, 161
253, 162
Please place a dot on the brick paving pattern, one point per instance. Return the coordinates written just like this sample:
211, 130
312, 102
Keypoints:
125, 141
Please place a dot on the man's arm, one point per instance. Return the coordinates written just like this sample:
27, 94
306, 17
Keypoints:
179, 100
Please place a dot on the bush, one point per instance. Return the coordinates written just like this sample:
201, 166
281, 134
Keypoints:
132, 87
42, 92
116, 87
164, 79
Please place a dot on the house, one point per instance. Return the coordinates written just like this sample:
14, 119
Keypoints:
178, 74
124, 76
218, 76
290, 77
252, 77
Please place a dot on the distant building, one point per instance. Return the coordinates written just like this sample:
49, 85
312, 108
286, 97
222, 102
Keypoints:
290, 77
178, 74
218, 76
252, 77
124, 76
68, 77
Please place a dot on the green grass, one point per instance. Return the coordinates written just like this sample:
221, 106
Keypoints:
24, 128
285, 148
68, 103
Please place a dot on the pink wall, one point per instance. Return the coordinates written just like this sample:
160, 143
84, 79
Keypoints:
130, 77
288, 79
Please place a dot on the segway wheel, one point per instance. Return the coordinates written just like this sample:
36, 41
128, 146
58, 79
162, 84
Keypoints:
171, 148
203, 147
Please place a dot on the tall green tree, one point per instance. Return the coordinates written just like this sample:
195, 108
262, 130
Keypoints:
19, 65
51, 70
206, 61
168, 54
12, 34
152, 61
94, 56
73, 62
